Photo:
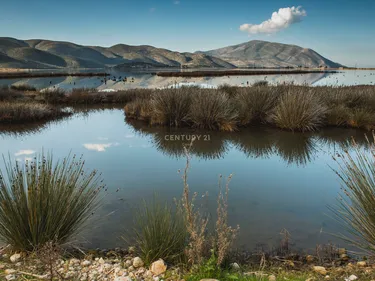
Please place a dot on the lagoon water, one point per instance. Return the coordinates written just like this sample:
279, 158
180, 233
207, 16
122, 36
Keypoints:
281, 179
145, 79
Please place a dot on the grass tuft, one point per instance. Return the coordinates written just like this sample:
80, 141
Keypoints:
43, 201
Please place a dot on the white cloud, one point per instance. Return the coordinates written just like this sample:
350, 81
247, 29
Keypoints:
100, 147
24, 152
279, 20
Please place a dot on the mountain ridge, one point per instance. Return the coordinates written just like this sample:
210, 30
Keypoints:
41, 53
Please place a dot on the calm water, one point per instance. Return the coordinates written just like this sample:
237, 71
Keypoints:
145, 79
281, 180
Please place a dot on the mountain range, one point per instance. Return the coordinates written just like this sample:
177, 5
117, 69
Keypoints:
37, 53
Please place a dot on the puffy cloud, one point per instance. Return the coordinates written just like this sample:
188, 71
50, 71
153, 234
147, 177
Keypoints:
278, 21
100, 147
24, 152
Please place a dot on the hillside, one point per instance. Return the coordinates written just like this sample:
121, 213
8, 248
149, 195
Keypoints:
37, 53
268, 54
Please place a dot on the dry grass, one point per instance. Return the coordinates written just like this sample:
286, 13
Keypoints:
299, 111
26, 112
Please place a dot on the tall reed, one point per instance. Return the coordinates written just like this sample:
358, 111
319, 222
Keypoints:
44, 201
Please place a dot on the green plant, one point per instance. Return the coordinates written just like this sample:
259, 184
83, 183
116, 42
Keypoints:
159, 232
356, 204
43, 201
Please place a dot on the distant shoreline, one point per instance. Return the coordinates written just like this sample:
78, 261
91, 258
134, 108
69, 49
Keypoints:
10, 75
238, 73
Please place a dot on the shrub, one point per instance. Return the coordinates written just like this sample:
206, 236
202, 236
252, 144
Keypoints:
299, 111
23, 87
362, 118
356, 203
43, 201
261, 83
139, 109
231, 91
212, 111
53, 95
159, 232
26, 112
171, 107
339, 115
254, 104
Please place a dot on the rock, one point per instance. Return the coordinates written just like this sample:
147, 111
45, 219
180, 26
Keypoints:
351, 278
341, 251
362, 263
137, 262
131, 250
309, 258
344, 257
15, 258
310, 279
158, 267
235, 266
326, 277
272, 278
123, 278
10, 277
86, 263
131, 268
101, 261
2, 266
209, 280
320, 269
9, 271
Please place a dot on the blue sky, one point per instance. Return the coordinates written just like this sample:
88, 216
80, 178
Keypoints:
341, 30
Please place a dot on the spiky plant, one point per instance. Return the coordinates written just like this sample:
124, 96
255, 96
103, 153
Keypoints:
43, 201
159, 232
356, 204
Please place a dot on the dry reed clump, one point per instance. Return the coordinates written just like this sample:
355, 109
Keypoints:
212, 110
362, 118
53, 95
171, 107
356, 203
299, 111
338, 115
23, 87
139, 109
230, 90
254, 104
225, 234
196, 223
6, 94
22, 112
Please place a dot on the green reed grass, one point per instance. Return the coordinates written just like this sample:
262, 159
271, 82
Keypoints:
44, 201
356, 204
159, 232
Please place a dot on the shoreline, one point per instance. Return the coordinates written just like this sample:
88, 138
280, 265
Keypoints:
12, 75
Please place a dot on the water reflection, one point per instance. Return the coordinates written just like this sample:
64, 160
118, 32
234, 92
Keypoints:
264, 142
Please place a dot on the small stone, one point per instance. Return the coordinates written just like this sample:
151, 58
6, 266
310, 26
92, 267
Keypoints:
158, 267
235, 266
209, 280
2, 266
351, 278
10, 277
15, 257
131, 250
101, 261
123, 278
137, 262
320, 269
86, 263
309, 258
362, 263
131, 268
272, 278
344, 257
9, 271
310, 279
341, 251
326, 277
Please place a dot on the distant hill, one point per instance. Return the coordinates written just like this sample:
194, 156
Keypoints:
268, 54
37, 53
